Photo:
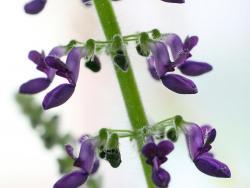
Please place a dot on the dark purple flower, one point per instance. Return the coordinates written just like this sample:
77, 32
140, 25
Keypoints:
156, 155
86, 161
199, 141
34, 6
39, 84
174, 1
68, 70
179, 84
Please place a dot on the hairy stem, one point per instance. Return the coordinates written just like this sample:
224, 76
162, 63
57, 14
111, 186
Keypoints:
126, 80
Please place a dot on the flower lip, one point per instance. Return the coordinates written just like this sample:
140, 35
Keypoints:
179, 84
34, 6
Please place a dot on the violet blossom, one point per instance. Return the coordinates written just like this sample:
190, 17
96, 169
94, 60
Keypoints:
199, 140
86, 162
68, 70
155, 156
39, 84
159, 63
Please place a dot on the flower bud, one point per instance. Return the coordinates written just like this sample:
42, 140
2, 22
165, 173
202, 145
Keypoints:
94, 64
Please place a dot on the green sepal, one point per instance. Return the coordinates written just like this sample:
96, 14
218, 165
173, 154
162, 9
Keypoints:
113, 142
90, 46
156, 34
178, 121
71, 45
117, 43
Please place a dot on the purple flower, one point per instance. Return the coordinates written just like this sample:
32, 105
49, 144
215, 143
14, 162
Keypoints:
199, 140
34, 6
68, 70
39, 84
174, 1
159, 65
182, 51
87, 163
155, 156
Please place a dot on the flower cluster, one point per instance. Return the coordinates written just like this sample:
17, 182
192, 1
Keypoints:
155, 156
160, 64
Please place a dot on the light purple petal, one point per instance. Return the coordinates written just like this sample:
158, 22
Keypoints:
72, 180
96, 166
58, 51
194, 68
34, 6
73, 63
174, 42
151, 68
190, 43
58, 96
212, 167
179, 84
161, 57
194, 139
87, 156
34, 86
164, 148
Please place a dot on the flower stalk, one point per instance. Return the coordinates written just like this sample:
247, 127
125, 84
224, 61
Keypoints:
126, 80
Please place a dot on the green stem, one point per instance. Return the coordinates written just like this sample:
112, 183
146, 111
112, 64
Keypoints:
126, 80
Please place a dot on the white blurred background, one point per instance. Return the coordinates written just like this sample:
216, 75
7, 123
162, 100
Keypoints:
223, 99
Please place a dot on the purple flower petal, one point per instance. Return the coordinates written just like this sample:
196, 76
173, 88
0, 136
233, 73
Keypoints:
194, 139
72, 180
149, 150
151, 68
73, 63
36, 57
174, 1
209, 135
212, 167
174, 42
96, 166
35, 6
35, 86
58, 96
194, 68
70, 151
56, 63
161, 178
87, 156
161, 57
179, 84
58, 51
190, 43
164, 148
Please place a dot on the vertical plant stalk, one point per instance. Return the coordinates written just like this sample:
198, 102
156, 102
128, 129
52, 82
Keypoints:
126, 80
